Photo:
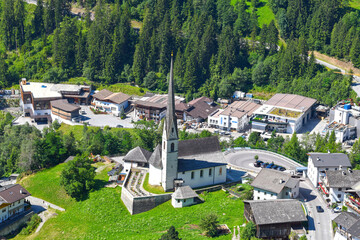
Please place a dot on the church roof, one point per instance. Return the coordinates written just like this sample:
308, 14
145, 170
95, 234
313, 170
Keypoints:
171, 119
184, 192
155, 158
199, 146
137, 154
185, 165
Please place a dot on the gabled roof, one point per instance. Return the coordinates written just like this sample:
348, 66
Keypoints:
330, 159
101, 95
64, 105
13, 193
198, 146
184, 192
201, 107
117, 98
273, 180
155, 158
185, 165
240, 108
291, 101
137, 154
346, 219
354, 230
342, 178
277, 211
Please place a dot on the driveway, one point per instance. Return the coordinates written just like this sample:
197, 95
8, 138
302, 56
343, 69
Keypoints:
102, 120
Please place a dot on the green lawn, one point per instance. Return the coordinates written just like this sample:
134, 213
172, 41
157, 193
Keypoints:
355, 4
124, 88
103, 215
265, 15
151, 188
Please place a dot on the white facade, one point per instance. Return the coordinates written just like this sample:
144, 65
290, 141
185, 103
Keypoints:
286, 193
155, 176
179, 203
204, 177
114, 108
9, 210
314, 172
261, 194
337, 195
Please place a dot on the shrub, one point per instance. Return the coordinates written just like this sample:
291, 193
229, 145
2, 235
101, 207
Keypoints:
171, 234
248, 231
31, 225
210, 224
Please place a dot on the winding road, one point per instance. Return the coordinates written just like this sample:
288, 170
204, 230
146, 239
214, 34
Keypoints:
319, 223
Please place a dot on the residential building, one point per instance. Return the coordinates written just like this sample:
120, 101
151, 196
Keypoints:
12, 200
200, 109
318, 163
345, 121
36, 97
110, 102
284, 113
274, 219
235, 117
347, 226
352, 198
335, 183
184, 196
61, 109
271, 184
153, 107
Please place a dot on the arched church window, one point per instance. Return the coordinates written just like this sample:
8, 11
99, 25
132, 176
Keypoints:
172, 129
172, 147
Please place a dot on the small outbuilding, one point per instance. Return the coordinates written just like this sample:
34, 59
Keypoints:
183, 196
137, 157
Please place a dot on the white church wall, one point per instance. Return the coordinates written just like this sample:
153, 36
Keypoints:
154, 175
220, 175
210, 176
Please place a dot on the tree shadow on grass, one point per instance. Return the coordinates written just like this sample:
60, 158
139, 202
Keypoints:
99, 184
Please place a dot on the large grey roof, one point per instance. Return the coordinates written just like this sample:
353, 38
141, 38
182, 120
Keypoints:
64, 105
155, 158
198, 146
193, 164
291, 101
354, 230
342, 178
277, 211
101, 95
346, 219
330, 159
184, 192
137, 154
273, 180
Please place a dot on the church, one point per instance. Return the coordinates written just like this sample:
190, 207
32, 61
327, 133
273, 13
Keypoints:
195, 162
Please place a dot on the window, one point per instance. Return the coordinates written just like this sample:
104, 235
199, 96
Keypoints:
210, 172
172, 147
258, 198
4, 210
272, 194
327, 169
192, 175
286, 193
220, 171
172, 129
339, 189
201, 173
178, 200
184, 200
339, 195
335, 169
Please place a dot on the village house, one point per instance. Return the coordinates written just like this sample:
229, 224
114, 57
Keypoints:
107, 101
347, 226
275, 219
199, 109
184, 196
61, 109
271, 184
352, 198
318, 163
335, 183
235, 117
12, 201
36, 97
284, 113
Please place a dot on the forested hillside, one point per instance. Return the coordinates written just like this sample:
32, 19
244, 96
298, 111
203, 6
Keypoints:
218, 45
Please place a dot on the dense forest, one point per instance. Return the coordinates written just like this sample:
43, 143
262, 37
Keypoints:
218, 46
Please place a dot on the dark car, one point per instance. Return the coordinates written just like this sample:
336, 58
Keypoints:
319, 209
258, 163
264, 165
275, 167
281, 168
270, 165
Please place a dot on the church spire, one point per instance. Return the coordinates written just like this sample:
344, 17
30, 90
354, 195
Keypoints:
171, 123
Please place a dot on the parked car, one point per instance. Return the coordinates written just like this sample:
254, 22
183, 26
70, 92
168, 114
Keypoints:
337, 209
275, 166
270, 165
281, 168
258, 163
264, 165
319, 209
119, 126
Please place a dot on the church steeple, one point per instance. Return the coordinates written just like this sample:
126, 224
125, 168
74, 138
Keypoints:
171, 120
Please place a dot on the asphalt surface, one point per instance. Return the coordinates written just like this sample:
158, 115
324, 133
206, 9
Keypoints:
319, 223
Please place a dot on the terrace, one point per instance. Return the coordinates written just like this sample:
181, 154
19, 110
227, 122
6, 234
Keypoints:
285, 113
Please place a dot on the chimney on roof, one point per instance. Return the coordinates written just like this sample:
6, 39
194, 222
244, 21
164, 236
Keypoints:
317, 158
343, 173
21, 192
281, 181
340, 167
350, 170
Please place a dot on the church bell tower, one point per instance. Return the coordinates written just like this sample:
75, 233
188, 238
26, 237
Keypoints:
170, 140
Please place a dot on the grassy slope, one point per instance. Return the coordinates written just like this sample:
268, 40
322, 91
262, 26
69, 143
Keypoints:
355, 4
103, 215
265, 15
151, 188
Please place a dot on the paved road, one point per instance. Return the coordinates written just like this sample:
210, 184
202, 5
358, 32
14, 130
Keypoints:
39, 204
245, 159
319, 223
